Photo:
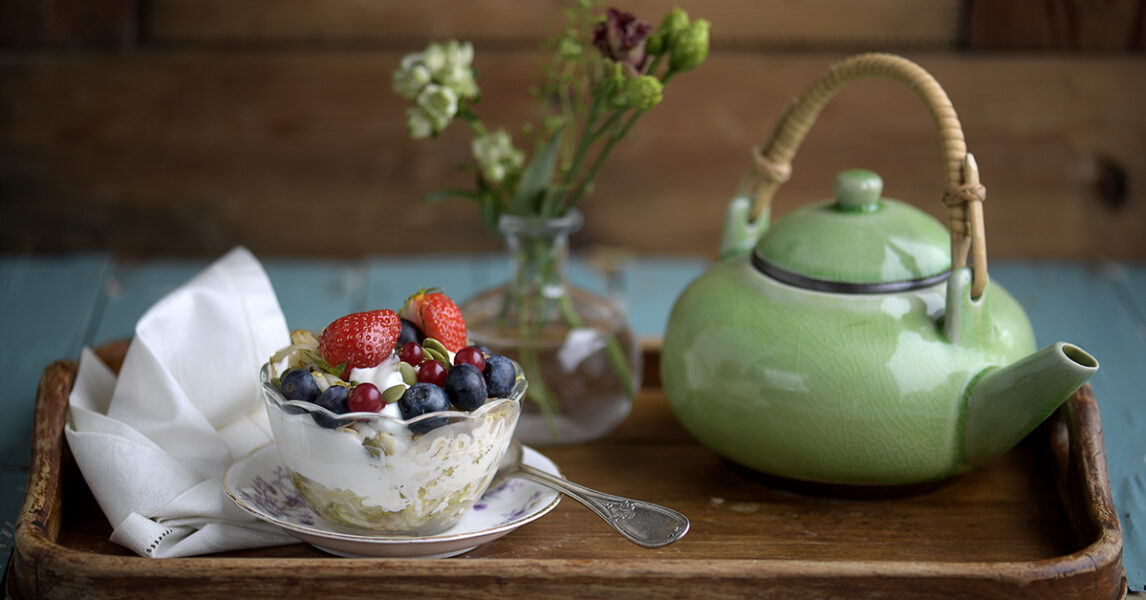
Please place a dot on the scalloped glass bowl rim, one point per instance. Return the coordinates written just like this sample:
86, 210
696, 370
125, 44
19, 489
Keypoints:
272, 393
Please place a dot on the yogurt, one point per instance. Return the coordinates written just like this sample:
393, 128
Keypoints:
384, 376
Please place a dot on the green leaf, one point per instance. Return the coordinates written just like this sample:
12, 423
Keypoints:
536, 176
453, 193
553, 197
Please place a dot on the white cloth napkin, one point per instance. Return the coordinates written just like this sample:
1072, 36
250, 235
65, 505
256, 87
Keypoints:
153, 443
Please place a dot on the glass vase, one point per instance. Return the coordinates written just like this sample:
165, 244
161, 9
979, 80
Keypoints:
579, 354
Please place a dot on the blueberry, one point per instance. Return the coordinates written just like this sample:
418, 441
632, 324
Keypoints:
465, 387
299, 384
409, 333
422, 398
334, 400
499, 376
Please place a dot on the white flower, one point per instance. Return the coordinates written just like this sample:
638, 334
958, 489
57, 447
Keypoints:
412, 59
460, 53
460, 79
418, 124
409, 80
451, 65
436, 79
496, 155
444, 56
435, 57
439, 104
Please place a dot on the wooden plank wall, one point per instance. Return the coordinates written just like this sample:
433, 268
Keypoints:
183, 127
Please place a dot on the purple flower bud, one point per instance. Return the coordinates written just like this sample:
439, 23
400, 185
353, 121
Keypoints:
621, 37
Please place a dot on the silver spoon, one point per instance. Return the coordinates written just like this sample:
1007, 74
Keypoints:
643, 523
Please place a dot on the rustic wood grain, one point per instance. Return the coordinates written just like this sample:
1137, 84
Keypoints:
1110, 25
995, 533
821, 23
69, 23
191, 152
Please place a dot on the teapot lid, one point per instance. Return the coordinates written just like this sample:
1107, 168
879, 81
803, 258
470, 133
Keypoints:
858, 243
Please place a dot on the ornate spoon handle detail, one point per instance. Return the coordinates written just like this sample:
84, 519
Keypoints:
643, 523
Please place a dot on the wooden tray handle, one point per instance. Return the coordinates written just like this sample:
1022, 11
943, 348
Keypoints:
964, 195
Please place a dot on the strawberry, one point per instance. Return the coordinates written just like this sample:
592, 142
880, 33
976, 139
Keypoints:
438, 317
361, 340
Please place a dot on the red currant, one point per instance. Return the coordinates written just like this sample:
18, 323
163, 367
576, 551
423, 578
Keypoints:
471, 356
365, 398
411, 354
433, 372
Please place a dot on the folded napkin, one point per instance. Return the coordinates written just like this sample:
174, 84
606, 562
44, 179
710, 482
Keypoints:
154, 442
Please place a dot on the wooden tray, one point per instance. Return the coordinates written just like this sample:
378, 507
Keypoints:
1036, 523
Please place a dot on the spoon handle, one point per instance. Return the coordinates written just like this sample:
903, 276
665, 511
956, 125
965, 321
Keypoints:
642, 523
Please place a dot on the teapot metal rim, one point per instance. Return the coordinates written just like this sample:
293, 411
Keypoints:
842, 287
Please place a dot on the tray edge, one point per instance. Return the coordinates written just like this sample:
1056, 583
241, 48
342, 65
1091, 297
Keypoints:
1080, 470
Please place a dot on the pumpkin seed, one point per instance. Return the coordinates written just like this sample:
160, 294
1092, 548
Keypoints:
436, 346
394, 393
409, 375
433, 354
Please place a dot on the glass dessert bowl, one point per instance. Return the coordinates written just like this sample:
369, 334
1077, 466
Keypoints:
386, 474
392, 424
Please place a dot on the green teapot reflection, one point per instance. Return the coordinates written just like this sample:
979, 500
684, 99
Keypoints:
851, 342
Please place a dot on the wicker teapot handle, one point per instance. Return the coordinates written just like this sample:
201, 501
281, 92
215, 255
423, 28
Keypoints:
964, 194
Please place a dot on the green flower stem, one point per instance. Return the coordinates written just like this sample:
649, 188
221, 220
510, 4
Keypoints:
616, 354
537, 390
471, 118
584, 144
566, 93
653, 65
538, 266
609, 124
530, 318
590, 135
586, 140
615, 136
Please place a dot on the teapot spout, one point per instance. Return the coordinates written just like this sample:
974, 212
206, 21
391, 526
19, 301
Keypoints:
1007, 403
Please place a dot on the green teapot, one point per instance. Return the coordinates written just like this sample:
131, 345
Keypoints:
859, 340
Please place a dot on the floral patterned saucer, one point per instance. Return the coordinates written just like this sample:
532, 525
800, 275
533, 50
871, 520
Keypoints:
259, 484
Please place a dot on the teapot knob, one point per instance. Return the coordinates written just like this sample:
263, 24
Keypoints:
858, 190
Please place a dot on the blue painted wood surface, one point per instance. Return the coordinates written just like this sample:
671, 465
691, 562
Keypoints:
48, 307
51, 307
